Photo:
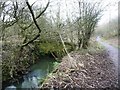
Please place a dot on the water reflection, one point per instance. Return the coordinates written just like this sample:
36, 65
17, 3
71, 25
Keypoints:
30, 82
38, 72
12, 87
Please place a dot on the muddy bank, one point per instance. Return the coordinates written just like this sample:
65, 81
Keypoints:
92, 71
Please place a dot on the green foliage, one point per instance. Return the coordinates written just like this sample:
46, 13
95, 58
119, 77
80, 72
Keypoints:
47, 47
52, 47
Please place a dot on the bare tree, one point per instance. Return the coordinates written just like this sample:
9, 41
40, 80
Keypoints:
16, 17
89, 15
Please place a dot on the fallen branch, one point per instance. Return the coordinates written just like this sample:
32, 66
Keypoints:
53, 55
72, 63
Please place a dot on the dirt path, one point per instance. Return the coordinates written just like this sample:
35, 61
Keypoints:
113, 41
112, 51
113, 54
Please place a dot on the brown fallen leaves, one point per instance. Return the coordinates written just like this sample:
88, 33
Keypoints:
92, 71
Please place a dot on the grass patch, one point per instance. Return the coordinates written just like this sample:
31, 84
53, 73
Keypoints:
112, 41
94, 47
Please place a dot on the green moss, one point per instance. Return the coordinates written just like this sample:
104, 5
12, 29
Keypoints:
55, 48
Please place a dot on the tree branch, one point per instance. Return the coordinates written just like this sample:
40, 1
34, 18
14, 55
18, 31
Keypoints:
36, 16
35, 22
43, 10
31, 40
33, 16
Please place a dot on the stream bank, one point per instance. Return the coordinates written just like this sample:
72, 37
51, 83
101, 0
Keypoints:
37, 73
94, 70
97, 71
22, 62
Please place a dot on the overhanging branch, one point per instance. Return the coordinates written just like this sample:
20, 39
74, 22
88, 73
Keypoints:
35, 22
36, 16
43, 10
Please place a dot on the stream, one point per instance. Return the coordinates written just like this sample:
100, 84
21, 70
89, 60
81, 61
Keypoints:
37, 74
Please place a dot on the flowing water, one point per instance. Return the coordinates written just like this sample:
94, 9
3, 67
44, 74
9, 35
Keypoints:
38, 72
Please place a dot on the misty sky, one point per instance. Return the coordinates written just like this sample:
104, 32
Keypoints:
69, 6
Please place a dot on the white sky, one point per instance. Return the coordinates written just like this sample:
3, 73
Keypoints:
112, 11
68, 6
